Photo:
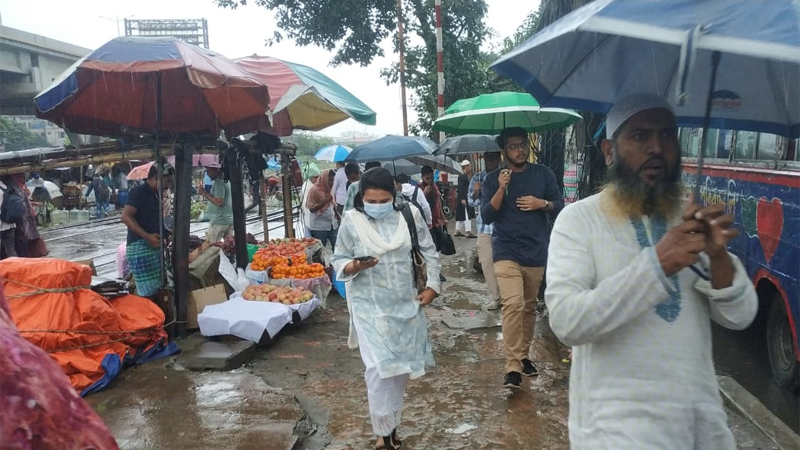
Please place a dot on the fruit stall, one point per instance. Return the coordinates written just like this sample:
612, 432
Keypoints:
283, 284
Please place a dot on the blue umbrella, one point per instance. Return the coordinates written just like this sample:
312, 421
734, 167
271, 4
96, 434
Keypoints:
730, 64
609, 49
333, 153
390, 148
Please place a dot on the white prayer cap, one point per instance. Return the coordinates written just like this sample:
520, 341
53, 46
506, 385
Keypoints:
630, 106
465, 163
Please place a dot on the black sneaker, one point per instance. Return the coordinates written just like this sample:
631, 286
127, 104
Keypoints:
528, 369
513, 380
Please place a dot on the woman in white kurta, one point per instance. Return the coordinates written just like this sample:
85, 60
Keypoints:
386, 313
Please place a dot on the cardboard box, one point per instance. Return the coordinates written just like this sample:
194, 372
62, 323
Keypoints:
90, 263
201, 298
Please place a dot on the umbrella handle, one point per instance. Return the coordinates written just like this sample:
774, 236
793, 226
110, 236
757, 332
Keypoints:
715, 58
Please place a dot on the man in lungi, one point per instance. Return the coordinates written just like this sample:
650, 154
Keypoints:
635, 275
141, 216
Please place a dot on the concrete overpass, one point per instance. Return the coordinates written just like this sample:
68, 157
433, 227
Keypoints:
28, 64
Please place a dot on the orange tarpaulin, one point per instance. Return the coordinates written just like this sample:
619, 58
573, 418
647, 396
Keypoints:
90, 336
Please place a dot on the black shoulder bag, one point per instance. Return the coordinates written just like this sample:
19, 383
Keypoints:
420, 269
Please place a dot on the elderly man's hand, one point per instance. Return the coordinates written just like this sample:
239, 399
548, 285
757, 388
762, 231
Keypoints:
718, 231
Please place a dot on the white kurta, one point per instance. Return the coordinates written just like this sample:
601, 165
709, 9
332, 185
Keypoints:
642, 375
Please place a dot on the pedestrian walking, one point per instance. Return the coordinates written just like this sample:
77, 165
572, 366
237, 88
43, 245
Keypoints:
464, 212
321, 205
340, 187
102, 194
219, 211
491, 161
7, 224
353, 189
311, 175
516, 200
387, 322
28, 242
434, 197
408, 193
634, 277
141, 216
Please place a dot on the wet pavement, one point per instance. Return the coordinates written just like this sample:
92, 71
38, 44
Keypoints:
308, 379
742, 355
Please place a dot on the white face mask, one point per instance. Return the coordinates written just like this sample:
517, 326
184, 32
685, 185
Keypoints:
378, 211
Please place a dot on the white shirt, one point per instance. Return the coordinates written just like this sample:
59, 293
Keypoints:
642, 373
4, 225
408, 191
339, 188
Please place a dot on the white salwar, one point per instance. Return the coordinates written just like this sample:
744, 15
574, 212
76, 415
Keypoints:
642, 374
387, 322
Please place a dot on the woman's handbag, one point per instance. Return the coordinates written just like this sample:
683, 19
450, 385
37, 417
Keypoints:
417, 260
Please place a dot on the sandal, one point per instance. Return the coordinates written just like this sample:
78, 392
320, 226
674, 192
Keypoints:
397, 443
387, 444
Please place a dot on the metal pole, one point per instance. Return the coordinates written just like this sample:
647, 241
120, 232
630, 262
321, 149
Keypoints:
180, 236
439, 65
160, 166
402, 48
262, 186
286, 172
234, 168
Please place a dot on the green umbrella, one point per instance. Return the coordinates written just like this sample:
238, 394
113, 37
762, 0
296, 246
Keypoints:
491, 113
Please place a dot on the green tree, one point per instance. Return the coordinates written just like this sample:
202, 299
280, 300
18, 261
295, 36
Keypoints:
355, 29
553, 148
308, 143
16, 136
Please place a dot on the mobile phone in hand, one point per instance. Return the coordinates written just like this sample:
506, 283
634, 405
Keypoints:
364, 259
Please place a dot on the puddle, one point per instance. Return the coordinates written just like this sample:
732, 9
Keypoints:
461, 429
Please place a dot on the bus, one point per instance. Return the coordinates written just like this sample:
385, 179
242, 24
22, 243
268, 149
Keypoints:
757, 177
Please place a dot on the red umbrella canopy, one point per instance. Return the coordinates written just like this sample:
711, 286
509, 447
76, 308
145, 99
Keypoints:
130, 82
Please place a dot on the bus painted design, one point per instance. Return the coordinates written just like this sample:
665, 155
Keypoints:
766, 205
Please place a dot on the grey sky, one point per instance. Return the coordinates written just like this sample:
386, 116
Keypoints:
235, 33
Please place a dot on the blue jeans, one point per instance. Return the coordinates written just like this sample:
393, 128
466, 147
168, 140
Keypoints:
325, 237
101, 207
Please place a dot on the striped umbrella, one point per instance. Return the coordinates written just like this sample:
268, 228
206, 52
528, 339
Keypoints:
303, 98
333, 153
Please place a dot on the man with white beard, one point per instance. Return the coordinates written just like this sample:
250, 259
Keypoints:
634, 277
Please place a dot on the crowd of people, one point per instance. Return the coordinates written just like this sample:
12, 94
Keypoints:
633, 270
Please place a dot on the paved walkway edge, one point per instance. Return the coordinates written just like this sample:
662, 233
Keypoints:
744, 403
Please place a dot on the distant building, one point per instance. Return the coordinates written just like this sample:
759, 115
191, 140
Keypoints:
52, 134
191, 31
356, 138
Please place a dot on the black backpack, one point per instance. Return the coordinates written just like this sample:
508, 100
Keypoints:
413, 200
13, 208
103, 191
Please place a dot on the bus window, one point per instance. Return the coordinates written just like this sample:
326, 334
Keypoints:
711, 144
694, 135
684, 140
745, 145
767, 146
724, 143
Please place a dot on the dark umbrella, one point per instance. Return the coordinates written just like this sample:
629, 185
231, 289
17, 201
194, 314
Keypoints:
468, 144
391, 148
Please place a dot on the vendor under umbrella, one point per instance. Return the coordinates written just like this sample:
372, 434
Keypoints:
141, 216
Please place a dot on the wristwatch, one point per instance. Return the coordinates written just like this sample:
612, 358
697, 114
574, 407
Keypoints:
546, 204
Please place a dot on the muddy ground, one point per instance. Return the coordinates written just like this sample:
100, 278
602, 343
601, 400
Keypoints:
305, 390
